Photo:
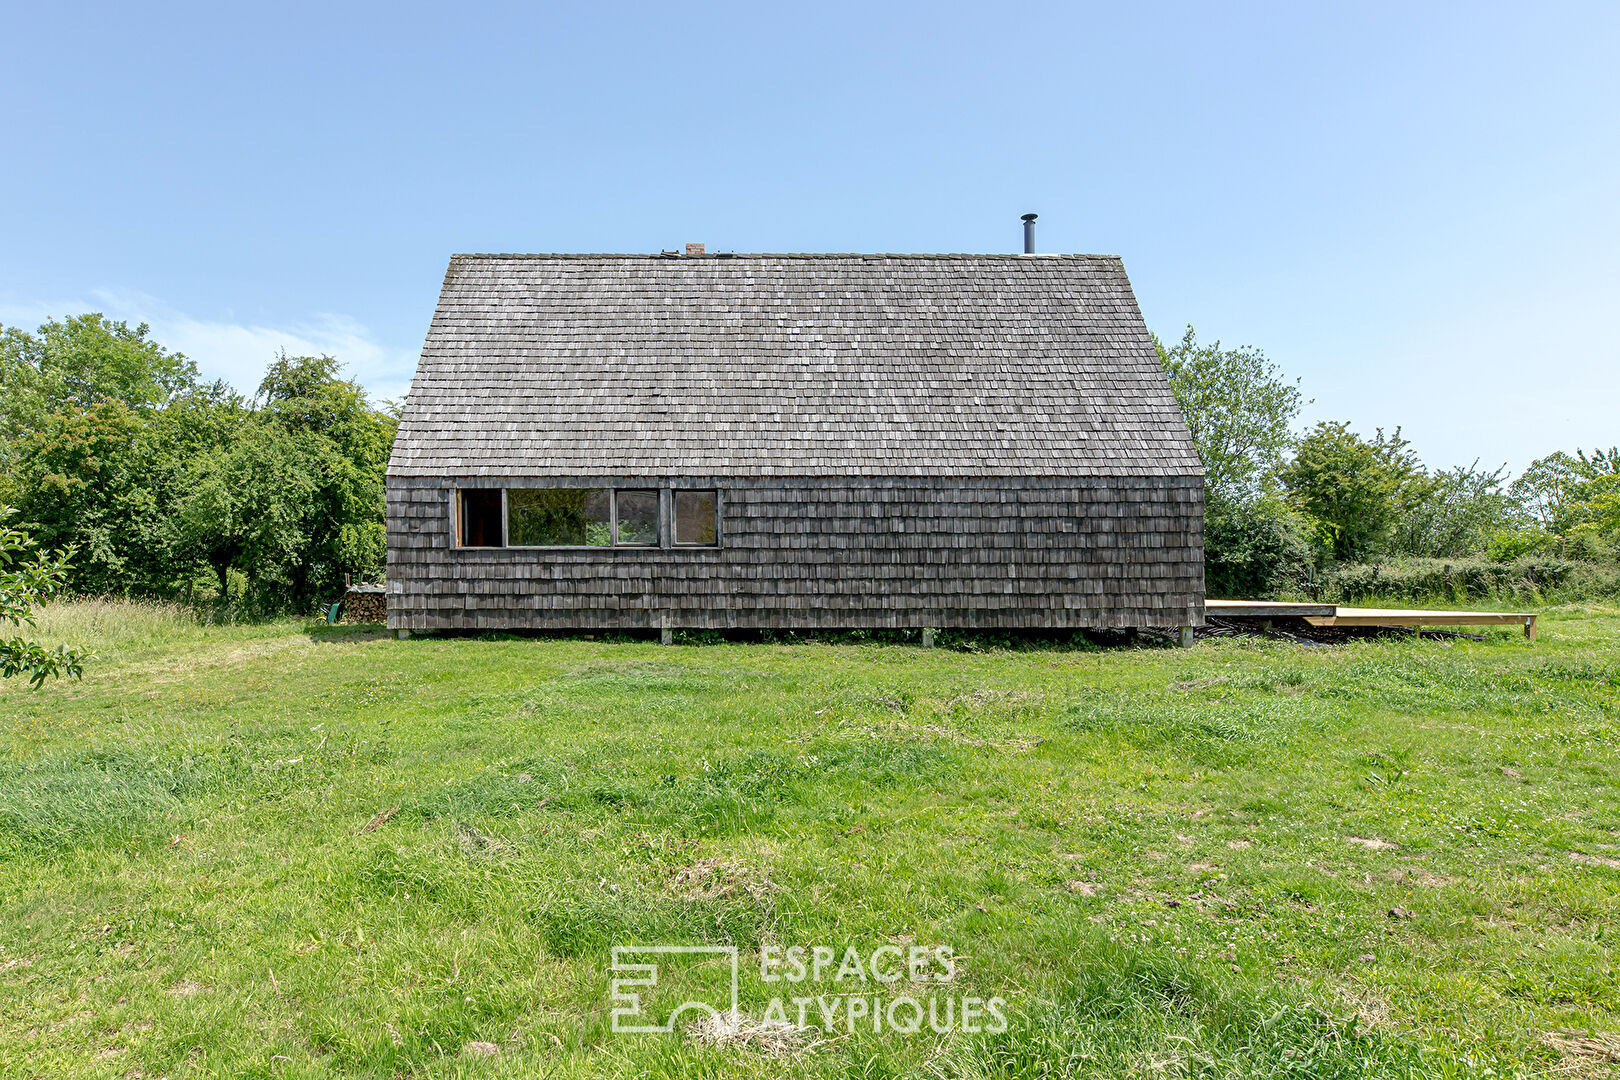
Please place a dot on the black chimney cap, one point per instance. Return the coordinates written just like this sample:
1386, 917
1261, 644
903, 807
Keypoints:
1029, 217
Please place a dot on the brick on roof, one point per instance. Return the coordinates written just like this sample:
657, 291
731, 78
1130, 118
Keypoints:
790, 365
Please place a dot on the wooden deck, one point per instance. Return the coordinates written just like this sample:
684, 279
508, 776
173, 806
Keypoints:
1334, 615
1264, 609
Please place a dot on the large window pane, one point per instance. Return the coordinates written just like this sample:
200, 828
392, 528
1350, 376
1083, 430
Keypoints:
638, 517
479, 518
695, 517
553, 517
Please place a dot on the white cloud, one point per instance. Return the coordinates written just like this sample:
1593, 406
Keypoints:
239, 352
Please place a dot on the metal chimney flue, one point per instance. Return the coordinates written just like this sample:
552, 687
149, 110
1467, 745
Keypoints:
1029, 233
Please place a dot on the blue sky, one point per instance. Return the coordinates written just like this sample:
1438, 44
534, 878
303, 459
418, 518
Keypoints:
1411, 207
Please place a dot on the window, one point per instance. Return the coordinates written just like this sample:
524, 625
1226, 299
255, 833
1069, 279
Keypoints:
697, 517
559, 517
585, 517
637, 517
479, 520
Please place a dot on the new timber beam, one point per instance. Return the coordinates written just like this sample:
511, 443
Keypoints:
1399, 617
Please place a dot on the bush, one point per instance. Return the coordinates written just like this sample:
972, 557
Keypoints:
1254, 552
1462, 511
1511, 546
1534, 580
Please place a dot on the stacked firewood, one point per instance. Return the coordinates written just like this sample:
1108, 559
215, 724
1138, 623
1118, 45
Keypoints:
365, 604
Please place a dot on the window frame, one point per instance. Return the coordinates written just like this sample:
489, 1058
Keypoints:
666, 540
458, 522
674, 536
658, 517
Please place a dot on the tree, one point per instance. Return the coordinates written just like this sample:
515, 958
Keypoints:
1463, 511
1569, 495
111, 445
246, 506
1255, 551
1238, 407
106, 479
24, 584
97, 424
1357, 489
84, 360
349, 442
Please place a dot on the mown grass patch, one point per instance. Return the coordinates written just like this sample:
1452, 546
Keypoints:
293, 850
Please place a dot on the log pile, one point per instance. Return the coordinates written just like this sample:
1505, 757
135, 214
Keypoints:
365, 604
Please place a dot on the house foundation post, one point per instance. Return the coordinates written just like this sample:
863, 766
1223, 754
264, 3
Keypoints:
928, 637
666, 636
1186, 640
404, 634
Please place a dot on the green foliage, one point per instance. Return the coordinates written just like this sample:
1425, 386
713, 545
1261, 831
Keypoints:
1513, 544
1254, 551
1357, 490
347, 446
85, 360
1459, 513
25, 583
1575, 500
1530, 579
1238, 407
161, 483
1361, 499
245, 505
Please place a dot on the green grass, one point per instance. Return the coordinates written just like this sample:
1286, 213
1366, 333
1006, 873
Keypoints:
1167, 862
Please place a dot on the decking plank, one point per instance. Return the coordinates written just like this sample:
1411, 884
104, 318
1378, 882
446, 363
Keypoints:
1400, 617
1265, 609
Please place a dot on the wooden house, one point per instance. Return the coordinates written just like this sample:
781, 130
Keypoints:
791, 441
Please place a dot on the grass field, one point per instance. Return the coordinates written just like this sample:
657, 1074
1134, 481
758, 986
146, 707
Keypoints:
289, 850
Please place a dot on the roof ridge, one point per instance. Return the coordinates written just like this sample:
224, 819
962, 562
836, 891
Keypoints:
672, 256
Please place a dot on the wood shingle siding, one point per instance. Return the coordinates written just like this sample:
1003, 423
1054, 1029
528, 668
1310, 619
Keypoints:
833, 553
898, 441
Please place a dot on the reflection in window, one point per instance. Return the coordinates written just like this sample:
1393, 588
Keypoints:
559, 517
695, 517
638, 516
584, 517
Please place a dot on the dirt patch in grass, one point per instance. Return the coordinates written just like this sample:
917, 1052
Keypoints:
1199, 684
736, 1031
1586, 1053
719, 879
1368, 1007
1372, 843
1011, 744
380, 820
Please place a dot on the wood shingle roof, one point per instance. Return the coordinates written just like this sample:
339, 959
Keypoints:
790, 365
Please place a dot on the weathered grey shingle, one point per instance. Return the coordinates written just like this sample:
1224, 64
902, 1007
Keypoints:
790, 365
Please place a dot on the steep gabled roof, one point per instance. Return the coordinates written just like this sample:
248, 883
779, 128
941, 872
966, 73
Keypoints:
790, 365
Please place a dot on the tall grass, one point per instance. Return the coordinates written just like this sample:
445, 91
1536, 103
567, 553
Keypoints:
114, 627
